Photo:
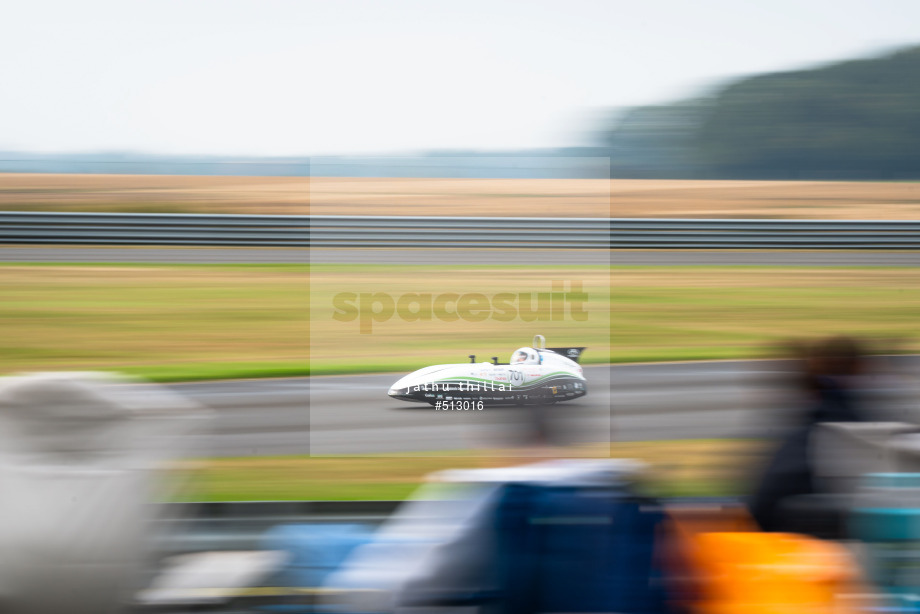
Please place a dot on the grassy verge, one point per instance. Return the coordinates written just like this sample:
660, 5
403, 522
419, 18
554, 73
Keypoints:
192, 322
165, 321
676, 468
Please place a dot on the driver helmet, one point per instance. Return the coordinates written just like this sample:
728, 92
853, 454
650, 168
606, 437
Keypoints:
525, 356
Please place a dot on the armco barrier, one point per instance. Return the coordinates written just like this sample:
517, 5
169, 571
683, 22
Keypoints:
241, 525
45, 228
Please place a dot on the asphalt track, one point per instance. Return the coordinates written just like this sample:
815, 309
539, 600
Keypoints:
222, 255
352, 414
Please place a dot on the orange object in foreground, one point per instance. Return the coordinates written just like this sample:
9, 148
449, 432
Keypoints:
724, 565
772, 572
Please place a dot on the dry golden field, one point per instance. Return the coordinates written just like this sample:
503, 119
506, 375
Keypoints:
502, 197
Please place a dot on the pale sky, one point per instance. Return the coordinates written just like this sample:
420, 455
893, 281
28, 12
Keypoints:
305, 77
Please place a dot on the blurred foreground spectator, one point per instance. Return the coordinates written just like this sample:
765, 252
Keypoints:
554, 536
830, 377
79, 461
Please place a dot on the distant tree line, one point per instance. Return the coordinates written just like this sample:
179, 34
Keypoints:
852, 120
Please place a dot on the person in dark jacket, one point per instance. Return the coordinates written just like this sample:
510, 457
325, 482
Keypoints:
828, 380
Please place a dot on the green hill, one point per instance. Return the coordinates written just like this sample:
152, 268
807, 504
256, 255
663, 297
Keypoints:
858, 119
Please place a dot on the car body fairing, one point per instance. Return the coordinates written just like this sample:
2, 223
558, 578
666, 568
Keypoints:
534, 375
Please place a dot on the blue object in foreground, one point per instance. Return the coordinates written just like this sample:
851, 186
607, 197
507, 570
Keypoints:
887, 519
572, 549
314, 550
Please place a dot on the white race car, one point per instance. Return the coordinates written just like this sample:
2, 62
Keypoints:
534, 375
